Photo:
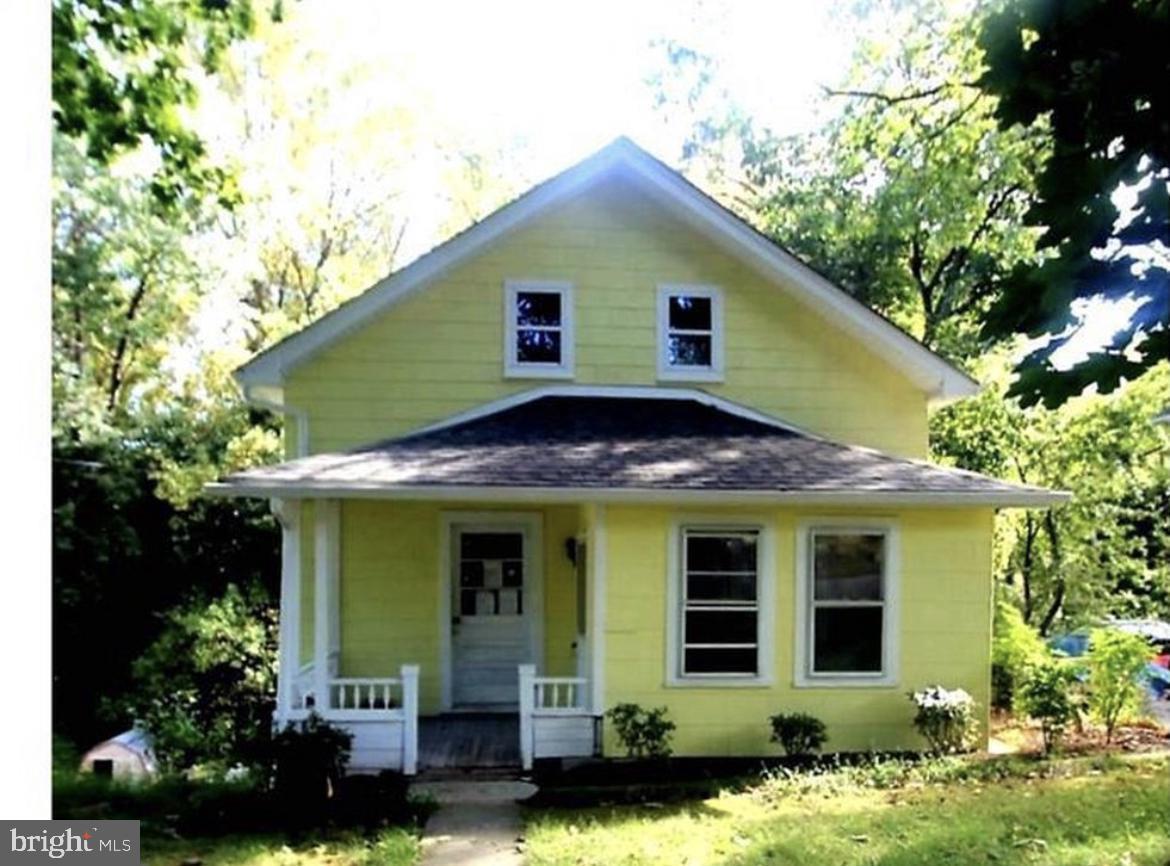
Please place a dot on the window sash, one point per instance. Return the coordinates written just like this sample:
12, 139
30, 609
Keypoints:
701, 605
668, 332
515, 330
814, 604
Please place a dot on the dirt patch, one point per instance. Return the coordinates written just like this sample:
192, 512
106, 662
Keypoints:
1138, 738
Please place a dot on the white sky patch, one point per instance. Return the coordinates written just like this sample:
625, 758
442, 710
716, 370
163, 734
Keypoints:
1100, 320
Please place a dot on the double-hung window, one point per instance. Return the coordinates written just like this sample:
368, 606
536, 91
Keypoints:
848, 593
690, 333
720, 603
538, 329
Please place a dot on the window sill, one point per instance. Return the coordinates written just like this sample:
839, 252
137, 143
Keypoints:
537, 373
719, 682
697, 375
885, 681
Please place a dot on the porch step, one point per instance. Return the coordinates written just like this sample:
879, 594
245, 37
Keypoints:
464, 741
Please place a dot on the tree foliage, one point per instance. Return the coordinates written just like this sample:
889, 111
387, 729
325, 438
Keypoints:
204, 688
125, 70
909, 196
1105, 551
1095, 71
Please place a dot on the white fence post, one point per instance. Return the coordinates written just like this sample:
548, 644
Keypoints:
410, 719
527, 676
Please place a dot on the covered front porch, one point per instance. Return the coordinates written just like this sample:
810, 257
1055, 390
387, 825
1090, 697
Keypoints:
441, 635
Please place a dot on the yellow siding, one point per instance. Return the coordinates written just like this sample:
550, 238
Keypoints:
945, 631
440, 351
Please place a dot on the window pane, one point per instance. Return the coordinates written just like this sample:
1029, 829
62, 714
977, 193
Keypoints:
689, 350
471, 574
719, 661
721, 553
491, 545
848, 567
848, 640
538, 347
721, 587
720, 626
690, 314
538, 308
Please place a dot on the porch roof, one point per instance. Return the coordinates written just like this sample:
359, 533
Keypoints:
674, 446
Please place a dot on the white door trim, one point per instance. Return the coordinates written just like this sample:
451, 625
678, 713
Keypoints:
532, 524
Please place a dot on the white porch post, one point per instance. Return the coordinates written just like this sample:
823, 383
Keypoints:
597, 618
327, 563
410, 720
527, 675
288, 512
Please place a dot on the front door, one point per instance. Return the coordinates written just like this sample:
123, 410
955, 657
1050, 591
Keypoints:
492, 621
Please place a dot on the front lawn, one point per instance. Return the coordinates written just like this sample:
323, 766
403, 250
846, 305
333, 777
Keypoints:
394, 846
964, 811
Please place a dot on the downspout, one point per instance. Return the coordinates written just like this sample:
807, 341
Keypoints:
300, 416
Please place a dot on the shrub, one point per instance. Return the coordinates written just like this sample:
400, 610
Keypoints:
945, 718
1014, 647
1046, 695
1116, 661
644, 733
798, 733
309, 760
204, 689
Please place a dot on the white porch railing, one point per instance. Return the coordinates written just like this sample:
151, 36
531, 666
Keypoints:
380, 712
555, 718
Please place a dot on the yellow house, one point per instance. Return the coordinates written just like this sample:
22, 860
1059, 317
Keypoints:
613, 445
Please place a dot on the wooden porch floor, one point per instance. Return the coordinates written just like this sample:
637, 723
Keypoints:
468, 741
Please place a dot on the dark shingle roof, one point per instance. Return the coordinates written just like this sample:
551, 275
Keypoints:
625, 444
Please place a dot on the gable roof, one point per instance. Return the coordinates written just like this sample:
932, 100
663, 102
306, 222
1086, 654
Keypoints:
675, 445
924, 368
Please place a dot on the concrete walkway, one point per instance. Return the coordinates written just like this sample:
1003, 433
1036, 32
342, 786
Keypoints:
478, 823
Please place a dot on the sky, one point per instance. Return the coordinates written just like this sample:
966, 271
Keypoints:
549, 83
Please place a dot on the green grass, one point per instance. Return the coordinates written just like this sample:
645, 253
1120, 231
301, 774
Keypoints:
1060, 813
395, 846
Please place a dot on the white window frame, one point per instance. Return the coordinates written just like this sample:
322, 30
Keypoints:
804, 675
514, 369
680, 373
765, 601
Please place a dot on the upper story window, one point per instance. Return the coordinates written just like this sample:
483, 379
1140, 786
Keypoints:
690, 333
538, 329
848, 606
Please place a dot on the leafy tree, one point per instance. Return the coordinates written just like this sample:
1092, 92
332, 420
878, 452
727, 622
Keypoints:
124, 288
1095, 71
1116, 662
909, 196
205, 688
1101, 553
123, 70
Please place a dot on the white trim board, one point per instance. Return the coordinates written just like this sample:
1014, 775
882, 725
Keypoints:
924, 368
574, 495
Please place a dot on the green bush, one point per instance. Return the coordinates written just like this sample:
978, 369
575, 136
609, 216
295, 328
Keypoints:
309, 760
204, 690
1116, 661
1015, 646
945, 718
644, 733
1047, 695
798, 733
